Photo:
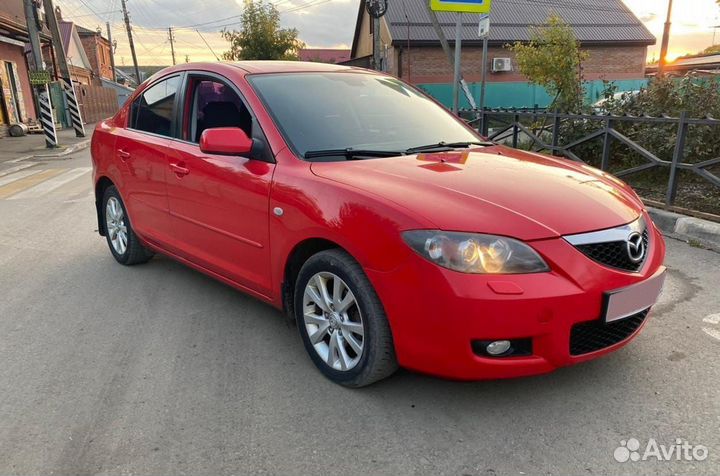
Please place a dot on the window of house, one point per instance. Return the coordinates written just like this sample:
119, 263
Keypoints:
214, 104
154, 110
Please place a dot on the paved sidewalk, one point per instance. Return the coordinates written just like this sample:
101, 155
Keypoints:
32, 145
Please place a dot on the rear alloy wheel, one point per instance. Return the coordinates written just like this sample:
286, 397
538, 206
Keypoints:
124, 244
116, 227
342, 321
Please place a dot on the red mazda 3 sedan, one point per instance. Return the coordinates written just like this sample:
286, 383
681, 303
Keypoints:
392, 233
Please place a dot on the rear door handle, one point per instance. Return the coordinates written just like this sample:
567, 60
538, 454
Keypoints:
179, 170
123, 154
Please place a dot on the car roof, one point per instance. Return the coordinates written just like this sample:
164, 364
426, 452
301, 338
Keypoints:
258, 67
286, 66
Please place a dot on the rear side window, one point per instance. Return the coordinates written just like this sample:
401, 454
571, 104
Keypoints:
154, 110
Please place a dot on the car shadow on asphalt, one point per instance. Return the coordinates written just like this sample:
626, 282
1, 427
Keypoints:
272, 325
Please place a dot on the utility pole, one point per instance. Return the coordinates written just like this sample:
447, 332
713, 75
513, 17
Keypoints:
456, 66
665, 40
130, 40
376, 9
65, 78
172, 45
483, 80
42, 95
112, 51
446, 48
376, 44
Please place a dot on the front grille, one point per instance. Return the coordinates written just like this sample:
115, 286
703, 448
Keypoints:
614, 253
590, 336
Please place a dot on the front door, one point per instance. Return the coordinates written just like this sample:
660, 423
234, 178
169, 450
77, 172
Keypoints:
141, 153
219, 204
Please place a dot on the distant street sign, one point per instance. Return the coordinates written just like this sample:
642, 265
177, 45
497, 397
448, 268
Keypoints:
484, 27
461, 6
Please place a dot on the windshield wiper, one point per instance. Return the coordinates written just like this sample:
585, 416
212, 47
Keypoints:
447, 146
351, 154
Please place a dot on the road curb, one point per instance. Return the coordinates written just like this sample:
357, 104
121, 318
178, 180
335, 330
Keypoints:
60, 155
690, 229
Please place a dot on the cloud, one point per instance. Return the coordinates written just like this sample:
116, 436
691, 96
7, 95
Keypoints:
321, 23
647, 17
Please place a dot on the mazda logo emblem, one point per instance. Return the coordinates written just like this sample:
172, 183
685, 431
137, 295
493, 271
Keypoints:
635, 247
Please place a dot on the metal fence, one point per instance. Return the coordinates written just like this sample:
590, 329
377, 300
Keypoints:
547, 137
96, 102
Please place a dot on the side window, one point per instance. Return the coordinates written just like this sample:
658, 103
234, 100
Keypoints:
154, 110
214, 104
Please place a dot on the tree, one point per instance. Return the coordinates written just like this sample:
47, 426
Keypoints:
260, 36
552, 59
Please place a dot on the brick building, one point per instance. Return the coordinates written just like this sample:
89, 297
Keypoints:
616, 40
79, 64
16, 98
98, 51
324, 55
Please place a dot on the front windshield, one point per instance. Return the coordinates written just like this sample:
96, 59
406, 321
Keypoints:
340, 110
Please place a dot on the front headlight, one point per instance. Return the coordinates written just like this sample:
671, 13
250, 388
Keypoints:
475, 253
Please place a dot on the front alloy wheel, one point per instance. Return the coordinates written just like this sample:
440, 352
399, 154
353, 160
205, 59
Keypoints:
333, 321
342, 321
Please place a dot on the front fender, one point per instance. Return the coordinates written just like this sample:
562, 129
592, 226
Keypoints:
365, 226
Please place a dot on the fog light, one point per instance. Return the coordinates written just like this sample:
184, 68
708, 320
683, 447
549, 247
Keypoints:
498, 347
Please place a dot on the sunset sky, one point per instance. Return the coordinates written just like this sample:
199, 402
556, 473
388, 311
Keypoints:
322, 24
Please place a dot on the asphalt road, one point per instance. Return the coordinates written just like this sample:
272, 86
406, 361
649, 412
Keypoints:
157, 369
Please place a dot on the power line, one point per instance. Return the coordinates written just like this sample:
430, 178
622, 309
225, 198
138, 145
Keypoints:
149, 52
304, 6
208, 45
75, 10
210, 22
292, 9
112, 7
140, 10
91, 9
74, 17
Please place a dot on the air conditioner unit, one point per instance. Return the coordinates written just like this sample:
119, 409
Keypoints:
501, 64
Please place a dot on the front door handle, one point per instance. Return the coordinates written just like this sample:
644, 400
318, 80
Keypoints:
179, 170
123, 154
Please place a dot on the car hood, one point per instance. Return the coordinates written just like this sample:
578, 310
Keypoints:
494, 190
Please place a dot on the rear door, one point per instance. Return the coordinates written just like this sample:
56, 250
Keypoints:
142, 157
219, 203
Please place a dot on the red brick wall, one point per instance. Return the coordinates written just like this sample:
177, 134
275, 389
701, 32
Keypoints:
89, 43
97, 49
15, 53
430, 64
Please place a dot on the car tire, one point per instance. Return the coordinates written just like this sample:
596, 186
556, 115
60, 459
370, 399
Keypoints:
354, 318
124, 244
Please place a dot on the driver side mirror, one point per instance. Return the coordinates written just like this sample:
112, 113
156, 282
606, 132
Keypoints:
226, 141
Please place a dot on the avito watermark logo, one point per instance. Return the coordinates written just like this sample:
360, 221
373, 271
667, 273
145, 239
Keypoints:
681, 450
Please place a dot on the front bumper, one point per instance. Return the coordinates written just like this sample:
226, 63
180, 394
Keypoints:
435, 314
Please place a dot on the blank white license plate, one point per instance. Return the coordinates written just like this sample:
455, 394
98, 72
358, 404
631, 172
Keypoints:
626, 302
